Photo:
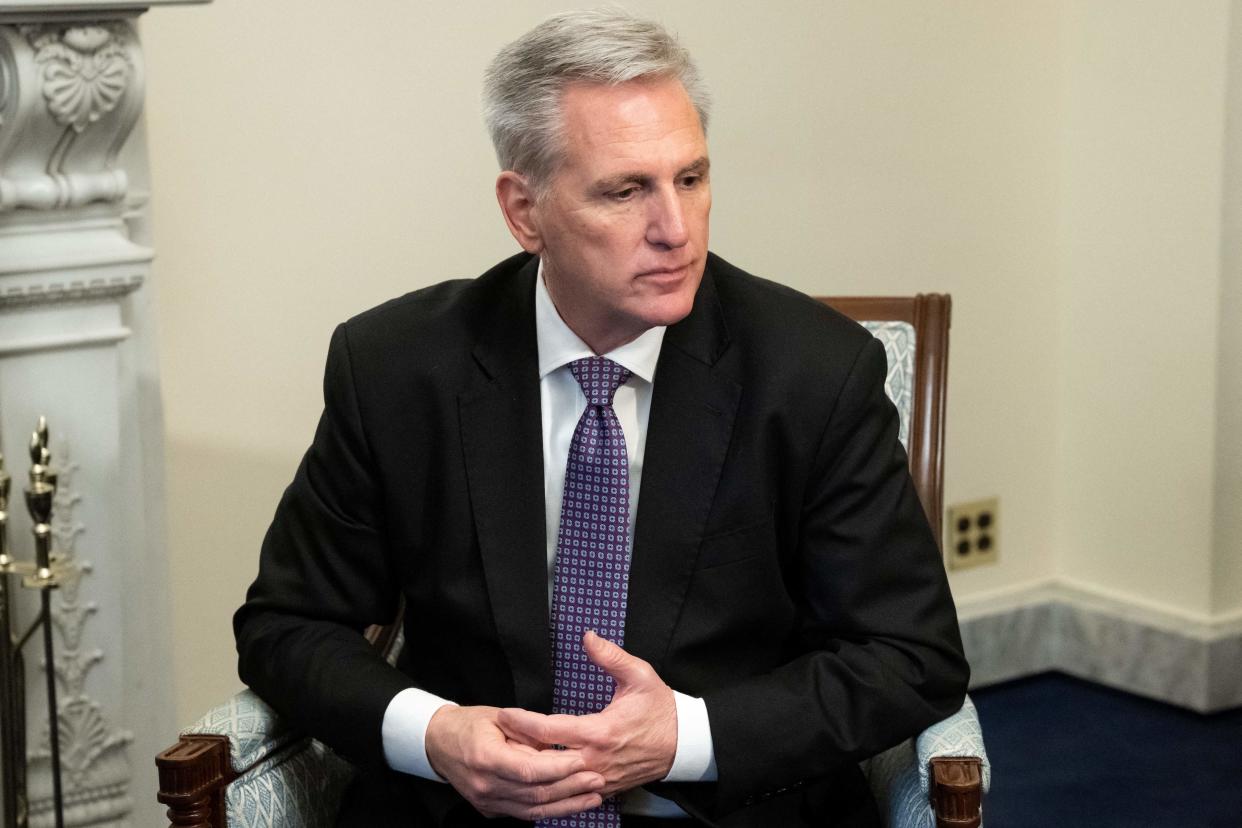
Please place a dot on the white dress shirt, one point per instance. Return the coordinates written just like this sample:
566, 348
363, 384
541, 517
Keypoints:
561, 404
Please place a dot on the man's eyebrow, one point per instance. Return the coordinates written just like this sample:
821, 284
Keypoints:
699, 166
614, 182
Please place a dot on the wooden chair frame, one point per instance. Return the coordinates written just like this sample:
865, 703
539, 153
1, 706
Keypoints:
956, 783
929, 314
193, 775
195, 771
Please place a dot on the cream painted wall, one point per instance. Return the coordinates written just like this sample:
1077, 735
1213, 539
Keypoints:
1140, 238
1227, 571
307, 166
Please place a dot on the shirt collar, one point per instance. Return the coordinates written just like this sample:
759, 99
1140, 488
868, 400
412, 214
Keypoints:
558, 345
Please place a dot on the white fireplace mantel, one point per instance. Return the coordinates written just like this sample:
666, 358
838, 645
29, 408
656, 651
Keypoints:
77, 345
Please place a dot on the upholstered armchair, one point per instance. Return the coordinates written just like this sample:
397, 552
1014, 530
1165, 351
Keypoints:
239, 766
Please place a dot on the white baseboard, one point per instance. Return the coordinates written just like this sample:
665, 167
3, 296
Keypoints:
1153, 651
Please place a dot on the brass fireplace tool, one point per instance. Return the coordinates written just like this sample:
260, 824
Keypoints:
43, 574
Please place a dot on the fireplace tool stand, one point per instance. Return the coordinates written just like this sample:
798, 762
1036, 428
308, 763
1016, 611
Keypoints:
44, 574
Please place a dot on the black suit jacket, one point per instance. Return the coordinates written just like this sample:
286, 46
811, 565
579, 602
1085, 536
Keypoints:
782, 569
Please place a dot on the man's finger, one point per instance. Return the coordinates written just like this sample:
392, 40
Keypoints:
584, 782
613, 660
573, 805
528, 726
521, 746
535, 768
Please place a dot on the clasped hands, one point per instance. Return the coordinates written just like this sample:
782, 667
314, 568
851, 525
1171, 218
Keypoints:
504, 763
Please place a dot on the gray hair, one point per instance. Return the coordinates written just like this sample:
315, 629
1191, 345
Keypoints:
524, 85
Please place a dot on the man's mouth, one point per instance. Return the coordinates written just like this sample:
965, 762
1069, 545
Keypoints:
665, 272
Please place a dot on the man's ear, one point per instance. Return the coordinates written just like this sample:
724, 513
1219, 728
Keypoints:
517, 203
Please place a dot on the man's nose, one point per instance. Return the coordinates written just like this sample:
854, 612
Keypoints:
666, 222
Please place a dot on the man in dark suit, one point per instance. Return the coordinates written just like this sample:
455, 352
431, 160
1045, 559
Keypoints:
784, 612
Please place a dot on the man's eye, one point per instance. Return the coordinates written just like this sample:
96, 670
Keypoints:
691, 181
624, 195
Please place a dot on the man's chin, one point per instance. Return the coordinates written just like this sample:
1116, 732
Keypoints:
670, 297
669, 310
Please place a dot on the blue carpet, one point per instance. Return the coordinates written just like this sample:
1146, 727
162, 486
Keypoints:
1069, 753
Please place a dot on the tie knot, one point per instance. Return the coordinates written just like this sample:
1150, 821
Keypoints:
599, 377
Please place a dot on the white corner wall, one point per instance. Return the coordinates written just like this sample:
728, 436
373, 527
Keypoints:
1227, 569
1140, 301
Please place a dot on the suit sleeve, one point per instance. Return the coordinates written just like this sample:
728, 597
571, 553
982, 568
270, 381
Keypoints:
879, 655
324, 576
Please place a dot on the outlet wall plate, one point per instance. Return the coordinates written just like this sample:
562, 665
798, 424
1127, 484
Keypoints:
972, 534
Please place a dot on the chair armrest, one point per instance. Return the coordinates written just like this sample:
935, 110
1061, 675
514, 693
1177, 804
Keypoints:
958, 735
193, 774
239, 765
300, 785
900, 782
957, 791
251, 727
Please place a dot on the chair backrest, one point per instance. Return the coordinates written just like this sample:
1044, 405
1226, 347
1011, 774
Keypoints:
915, 334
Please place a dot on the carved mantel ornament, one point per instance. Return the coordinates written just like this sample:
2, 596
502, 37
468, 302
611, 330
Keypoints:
69, 98
85, 70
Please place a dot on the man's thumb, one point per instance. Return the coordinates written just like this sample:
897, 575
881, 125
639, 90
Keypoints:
613, 660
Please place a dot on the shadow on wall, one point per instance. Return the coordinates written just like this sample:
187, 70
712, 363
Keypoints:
221, 497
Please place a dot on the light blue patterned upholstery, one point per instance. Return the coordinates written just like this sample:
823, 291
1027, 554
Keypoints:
253, 729
894, 780
300, 786
286, 780
899, 776
898, 340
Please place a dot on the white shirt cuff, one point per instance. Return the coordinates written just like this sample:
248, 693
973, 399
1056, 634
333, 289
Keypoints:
405, 731
695, 760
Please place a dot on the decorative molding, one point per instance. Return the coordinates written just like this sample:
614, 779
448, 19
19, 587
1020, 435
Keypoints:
58, 191
73, 291
73, 92
85, 70
95, 766
1173, 657
53, 262
8, 77
92, 753
56, 343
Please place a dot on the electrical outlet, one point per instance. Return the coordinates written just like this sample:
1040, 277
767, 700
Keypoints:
974, 533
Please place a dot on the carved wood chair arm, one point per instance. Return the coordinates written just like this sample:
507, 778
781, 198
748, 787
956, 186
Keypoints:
193, 774
957, 791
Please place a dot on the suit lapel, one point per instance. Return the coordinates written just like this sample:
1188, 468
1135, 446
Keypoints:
502, 440
692, 411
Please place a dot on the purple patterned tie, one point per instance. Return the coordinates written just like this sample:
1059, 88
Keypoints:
592, 559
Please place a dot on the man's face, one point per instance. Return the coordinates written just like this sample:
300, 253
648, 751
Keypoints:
622, 229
